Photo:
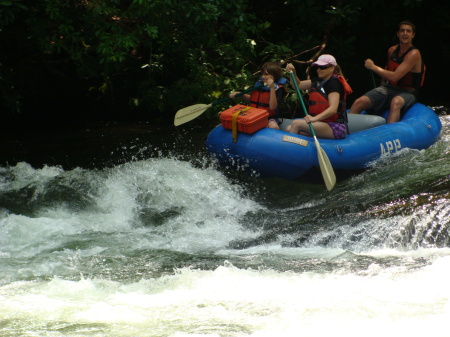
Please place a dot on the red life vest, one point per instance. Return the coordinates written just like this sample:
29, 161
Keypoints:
411, 81
318, 100
260, 98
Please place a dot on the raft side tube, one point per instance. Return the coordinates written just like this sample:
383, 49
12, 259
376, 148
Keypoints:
356, 122
276, 153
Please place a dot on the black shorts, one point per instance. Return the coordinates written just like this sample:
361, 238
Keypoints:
382, 96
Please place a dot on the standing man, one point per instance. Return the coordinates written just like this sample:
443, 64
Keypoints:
402, 77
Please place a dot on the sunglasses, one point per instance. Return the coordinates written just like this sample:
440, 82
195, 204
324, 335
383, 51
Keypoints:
324, 67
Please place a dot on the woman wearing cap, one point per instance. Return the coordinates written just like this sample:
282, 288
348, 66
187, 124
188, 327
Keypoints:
327, 95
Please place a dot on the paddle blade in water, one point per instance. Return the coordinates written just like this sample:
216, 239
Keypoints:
187, 114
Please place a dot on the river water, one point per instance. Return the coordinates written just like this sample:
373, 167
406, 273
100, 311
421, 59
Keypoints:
155, 239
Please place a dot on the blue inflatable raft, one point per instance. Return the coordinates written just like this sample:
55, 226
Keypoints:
276, 153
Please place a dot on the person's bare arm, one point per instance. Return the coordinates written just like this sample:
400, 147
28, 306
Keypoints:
411, 62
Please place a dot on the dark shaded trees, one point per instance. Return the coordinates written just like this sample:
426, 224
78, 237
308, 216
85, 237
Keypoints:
91, 59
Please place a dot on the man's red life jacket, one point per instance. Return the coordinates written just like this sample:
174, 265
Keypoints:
411, 81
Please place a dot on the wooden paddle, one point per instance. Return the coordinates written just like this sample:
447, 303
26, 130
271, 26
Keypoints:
325, 166
189, 113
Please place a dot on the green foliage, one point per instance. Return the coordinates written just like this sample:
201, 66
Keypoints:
8, 10
153, 57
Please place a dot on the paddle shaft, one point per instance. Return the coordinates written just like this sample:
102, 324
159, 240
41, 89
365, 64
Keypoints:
237, 95
324, 163
373, 78
300, 97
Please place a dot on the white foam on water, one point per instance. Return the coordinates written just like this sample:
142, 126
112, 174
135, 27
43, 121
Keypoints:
205, 208
103, 213
202, 212
236, 302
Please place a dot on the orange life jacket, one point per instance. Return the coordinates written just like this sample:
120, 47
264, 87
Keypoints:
259, 98
411, 81
318, 100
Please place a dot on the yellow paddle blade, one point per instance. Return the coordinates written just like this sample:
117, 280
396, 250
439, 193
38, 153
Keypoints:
187, 114
325, 167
